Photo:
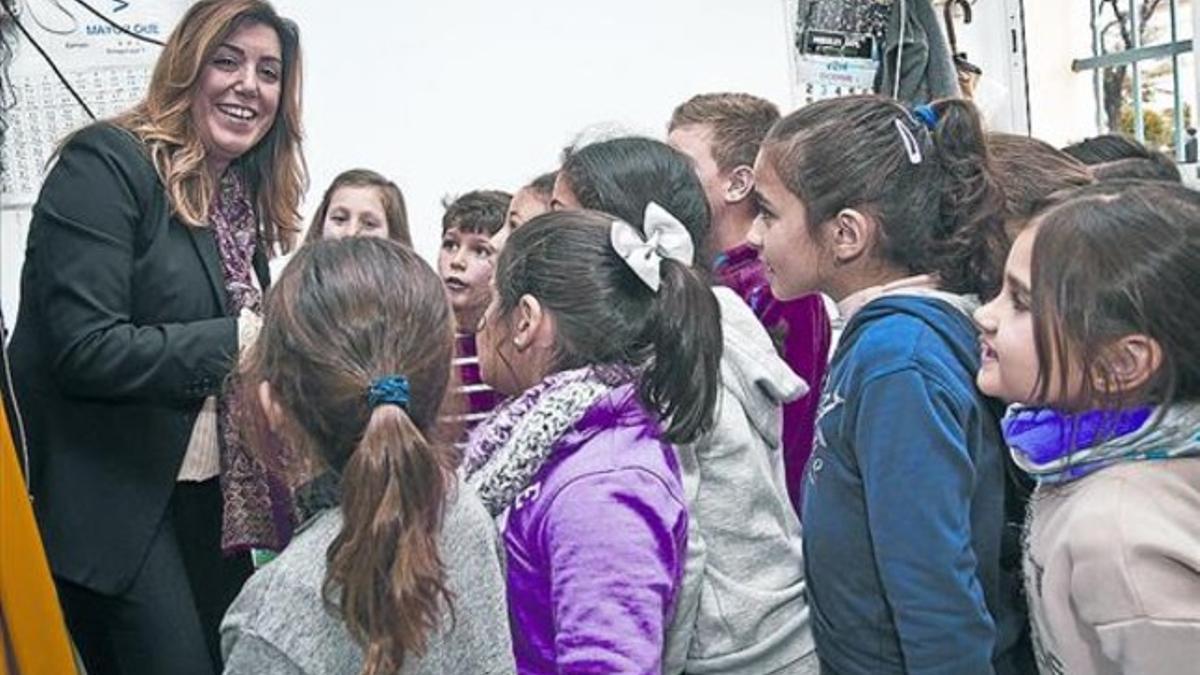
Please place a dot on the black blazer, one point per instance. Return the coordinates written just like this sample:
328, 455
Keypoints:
122, 332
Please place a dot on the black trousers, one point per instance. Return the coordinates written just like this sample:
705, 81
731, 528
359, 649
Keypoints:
168, 619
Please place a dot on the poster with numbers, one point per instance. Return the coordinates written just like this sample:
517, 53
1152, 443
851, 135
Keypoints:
107, 68
834, 46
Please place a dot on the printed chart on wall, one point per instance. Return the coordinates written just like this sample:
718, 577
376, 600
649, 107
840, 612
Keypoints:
835, 46
108, 69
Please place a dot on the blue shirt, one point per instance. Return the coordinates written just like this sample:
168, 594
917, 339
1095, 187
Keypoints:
904, 501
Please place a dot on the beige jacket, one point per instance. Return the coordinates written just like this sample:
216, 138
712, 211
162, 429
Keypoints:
1112, 570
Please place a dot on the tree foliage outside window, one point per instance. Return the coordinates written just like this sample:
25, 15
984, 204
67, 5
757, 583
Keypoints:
1116, 35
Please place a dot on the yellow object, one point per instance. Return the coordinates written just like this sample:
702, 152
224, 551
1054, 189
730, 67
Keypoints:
33, 633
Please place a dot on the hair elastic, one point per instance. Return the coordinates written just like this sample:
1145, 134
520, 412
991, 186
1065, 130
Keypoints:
925, 114
388, 390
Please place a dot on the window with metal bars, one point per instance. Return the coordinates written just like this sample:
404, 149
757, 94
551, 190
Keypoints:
1143, 72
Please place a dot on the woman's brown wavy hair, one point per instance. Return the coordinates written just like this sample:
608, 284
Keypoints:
343, 314
274, 168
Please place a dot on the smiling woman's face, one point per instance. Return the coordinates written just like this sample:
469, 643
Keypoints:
236, 97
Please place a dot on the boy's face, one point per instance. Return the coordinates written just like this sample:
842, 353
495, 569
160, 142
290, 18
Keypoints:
465, 263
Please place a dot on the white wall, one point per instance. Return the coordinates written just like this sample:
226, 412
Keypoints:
1064, 102
13, 227
987, 41
449, 96
446, 97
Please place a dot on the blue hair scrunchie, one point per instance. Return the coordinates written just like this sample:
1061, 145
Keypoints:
389, 390
926, 115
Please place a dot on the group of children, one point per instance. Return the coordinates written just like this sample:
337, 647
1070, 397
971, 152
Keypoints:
609, 434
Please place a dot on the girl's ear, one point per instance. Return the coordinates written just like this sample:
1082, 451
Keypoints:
1131, 362
532, 326
534, 336
850, 232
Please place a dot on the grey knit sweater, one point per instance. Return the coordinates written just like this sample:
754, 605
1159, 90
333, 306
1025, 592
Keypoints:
279, 625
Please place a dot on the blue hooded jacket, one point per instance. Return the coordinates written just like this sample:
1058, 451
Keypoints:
904, 506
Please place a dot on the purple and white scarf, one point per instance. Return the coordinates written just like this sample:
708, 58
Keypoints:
258, 507
507, 450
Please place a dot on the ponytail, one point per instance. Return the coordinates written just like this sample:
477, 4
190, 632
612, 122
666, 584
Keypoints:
357, 344
971, 241
925, 176
606, 314
384, 569
685, 330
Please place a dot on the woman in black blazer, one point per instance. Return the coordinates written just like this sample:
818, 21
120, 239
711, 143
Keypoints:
145, 263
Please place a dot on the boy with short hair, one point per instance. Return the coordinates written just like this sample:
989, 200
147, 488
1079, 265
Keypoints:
466, 260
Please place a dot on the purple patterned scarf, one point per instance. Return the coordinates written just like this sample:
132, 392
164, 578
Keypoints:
258, 509
505, 451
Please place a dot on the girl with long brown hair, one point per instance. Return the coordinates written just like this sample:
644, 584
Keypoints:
1093, 339
399, 572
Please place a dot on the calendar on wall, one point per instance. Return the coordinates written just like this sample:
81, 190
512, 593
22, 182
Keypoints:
834, 46
46, 113
107, 68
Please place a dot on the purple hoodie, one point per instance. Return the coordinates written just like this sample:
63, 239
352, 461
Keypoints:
596, 545
801, 332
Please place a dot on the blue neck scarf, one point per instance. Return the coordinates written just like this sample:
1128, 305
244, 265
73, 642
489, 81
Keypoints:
1057, 447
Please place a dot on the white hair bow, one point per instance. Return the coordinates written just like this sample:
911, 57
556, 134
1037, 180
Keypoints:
666, 237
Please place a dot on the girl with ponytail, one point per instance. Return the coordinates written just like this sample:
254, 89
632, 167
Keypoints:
399, 572
609, 345
897, 216
741, 608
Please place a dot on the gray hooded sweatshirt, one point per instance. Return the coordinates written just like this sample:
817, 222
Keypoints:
742, 606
